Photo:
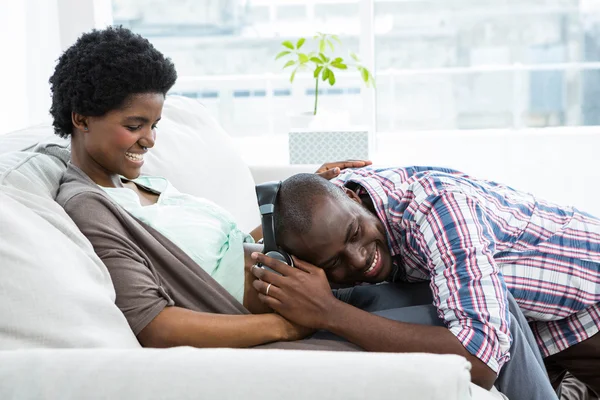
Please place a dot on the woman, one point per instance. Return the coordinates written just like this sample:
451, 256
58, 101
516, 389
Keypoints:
108, 91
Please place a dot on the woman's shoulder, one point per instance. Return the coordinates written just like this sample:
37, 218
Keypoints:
77, 187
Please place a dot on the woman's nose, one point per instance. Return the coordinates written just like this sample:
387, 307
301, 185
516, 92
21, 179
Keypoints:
148, 139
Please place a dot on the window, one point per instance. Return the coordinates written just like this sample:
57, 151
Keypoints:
439, 64
478, 64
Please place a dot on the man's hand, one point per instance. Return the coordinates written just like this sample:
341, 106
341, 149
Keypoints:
301, 295
332, 169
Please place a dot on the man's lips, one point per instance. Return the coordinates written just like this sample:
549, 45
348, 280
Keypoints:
373, 269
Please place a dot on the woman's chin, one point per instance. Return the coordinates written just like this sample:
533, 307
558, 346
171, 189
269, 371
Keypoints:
131, 173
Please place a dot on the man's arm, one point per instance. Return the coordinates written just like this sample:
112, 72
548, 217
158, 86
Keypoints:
375, 333
303, 295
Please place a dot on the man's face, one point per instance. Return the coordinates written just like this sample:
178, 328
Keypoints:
346, 240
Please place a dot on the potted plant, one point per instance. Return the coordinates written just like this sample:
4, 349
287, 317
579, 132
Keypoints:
313, 139
321, 63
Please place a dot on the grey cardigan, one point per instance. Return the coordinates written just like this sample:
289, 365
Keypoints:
149, 271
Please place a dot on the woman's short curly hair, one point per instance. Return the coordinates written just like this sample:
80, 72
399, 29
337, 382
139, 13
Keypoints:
101, 70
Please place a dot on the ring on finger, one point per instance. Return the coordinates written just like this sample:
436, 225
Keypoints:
268, 287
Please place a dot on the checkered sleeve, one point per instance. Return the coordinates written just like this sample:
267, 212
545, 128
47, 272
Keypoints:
469, 292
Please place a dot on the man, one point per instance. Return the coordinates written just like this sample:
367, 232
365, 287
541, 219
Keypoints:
474, 240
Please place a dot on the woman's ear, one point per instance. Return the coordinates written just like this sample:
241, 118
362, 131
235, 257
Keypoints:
352, 195
79, 121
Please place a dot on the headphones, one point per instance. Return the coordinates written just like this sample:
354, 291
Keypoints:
267, 196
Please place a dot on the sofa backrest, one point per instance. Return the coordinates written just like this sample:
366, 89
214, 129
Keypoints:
192, 150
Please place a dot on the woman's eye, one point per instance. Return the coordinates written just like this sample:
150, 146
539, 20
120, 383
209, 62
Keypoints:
134, 128
153, 127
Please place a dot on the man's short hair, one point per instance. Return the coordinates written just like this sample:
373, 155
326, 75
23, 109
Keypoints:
296, 200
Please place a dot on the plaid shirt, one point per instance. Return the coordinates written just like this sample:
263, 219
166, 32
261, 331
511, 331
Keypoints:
476, 239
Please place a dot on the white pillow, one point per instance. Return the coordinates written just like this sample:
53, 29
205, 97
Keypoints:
198, 157
55, 291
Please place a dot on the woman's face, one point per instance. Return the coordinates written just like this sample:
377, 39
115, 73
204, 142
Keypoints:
115, 143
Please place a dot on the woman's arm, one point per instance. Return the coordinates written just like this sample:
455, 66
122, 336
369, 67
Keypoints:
251, 301
175, 326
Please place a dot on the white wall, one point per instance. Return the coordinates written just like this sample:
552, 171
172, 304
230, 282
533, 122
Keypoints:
13, 74
557, 164
32, 35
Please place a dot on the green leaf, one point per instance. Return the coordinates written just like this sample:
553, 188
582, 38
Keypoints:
331, 78
325, 74
354, 56
321, 46
293, 75
289, 63
339, 66
283, 53
317, 71
330, 45
288, 44
337, 60
300, 42
336, 38
365, 74
325, 59
316, 60
303, 58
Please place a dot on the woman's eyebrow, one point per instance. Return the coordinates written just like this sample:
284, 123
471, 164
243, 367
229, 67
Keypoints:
137, 118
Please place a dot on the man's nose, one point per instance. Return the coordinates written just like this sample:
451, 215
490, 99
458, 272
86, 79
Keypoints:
357, 256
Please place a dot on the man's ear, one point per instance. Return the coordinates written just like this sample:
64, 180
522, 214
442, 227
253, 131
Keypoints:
352, 195
80, 122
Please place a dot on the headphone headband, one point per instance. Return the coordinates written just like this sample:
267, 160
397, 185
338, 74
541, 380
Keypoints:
266, 194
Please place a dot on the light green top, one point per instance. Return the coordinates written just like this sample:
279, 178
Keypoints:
203, 230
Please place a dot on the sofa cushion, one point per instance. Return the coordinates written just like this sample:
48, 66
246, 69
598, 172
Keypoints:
55, 291
32, 172
28, 138
198, 157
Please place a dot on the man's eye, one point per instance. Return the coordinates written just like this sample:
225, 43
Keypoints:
134, 128
356, 233
154, 126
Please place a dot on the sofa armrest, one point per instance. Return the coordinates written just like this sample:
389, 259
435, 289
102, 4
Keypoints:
267, 173
186, 373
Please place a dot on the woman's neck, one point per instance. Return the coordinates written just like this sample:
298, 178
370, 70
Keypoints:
96, 172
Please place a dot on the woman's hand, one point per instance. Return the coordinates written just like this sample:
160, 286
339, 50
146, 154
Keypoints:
251, 300
301, 295
292, 331
333, 169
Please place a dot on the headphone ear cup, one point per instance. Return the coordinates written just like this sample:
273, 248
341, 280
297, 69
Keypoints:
281, 256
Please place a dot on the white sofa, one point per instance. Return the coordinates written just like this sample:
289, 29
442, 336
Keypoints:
62, 337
